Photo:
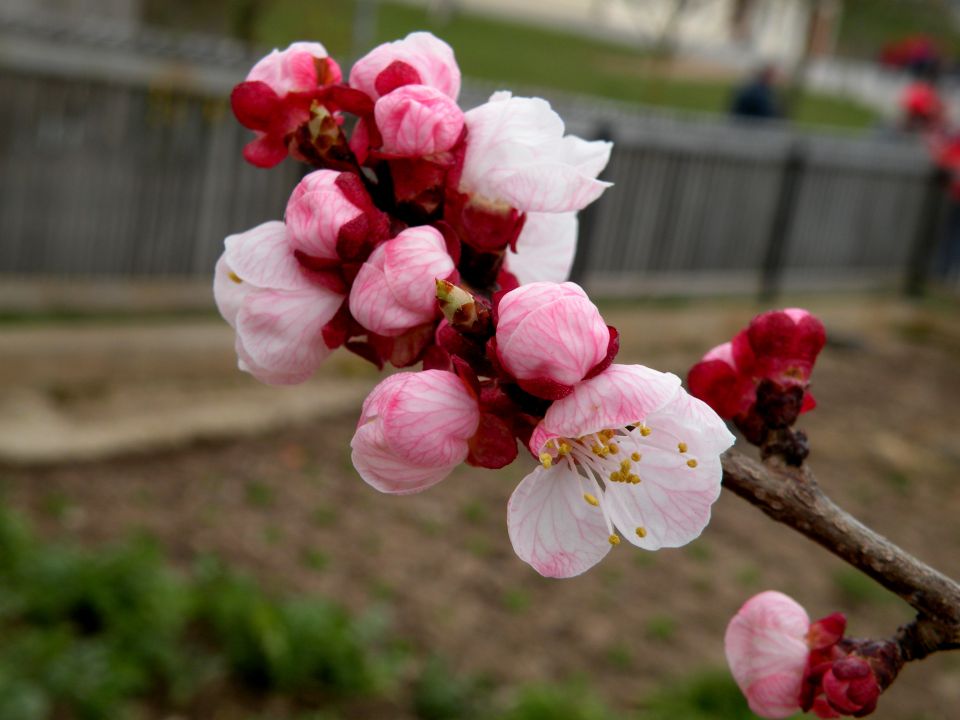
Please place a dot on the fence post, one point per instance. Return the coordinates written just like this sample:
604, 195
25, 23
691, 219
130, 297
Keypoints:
771, 272
929, 231
588, 218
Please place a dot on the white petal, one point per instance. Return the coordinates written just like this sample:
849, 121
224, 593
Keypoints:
545, 249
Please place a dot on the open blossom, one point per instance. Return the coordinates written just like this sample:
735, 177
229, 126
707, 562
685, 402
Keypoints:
413, 430
395, 289
275, 98
417, 120
277, 311
419, 59
549, 336
766, 648
628, 450
517, 155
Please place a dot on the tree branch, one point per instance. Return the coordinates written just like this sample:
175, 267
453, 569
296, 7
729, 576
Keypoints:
791, 495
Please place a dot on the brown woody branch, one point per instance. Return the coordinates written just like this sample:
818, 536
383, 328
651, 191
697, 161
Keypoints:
791, 495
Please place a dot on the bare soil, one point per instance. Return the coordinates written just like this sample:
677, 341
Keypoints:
287, 507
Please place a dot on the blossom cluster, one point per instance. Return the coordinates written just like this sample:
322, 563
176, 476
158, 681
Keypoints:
436, 236
785, 664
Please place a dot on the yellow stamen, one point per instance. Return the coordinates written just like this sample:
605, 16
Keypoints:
641, 532
682, 447
633, 479
645, 431
614, 539
607, 434
614, 448
635, 457
546, 459
624, 466
564, 449
615, 476
236, 278
596, 449
691, 463
591, 499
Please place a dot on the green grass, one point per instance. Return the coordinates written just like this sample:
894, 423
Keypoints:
857, 590
869, 24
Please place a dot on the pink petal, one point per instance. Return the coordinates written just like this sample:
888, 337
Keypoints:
550, 331
416, 120
381, 467
430, 57
290, 70
767, 652
621, 395
316, 212
263, 257
430, 418
546, 187
545, 248
395, 289
229, 290
280, 332
552, 527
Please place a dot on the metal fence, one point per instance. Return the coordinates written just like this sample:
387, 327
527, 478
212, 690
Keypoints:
118, 160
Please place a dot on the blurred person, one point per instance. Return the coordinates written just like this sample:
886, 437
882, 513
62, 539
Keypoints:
757, 98
945, 149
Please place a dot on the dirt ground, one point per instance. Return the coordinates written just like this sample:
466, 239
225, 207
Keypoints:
288, 507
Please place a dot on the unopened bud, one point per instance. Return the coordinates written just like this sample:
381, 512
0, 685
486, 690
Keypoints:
464, 313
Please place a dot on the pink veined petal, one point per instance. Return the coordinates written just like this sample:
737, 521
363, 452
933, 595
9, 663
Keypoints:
227, 292
263, 257
379, 465
517, 304
545, 249
416, 120
546, 187
374, 306
413, 261
281, 330
316, 211
560, 340
430, 417
680, 474
552, 527
775, 696
619, 396
430, 56
767, 639
290, 70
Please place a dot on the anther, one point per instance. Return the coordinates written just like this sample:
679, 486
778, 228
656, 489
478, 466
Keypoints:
633, 479
615, 476
682, 447
641, 532
645, 431
624, 466
614, 539
236, 278
613, 448
691, 463
591, 499
564, 448
546, 459
635, 457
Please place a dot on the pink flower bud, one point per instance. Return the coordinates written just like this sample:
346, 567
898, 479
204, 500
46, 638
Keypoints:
325, 208
550, 334
786, 344
419, 59
395, 289
301, 67
767, 652
416, 120
413, 430
718, 381
517, 155
850, 687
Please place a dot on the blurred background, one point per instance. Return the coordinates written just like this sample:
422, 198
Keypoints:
177, 541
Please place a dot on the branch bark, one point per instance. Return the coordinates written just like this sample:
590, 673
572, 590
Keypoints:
791, 495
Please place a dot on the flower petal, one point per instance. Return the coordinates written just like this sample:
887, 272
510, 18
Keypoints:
262, 257
545, 249
552, 527
619, 396
228, 290
280, 331
546, 187
382, 468
428, 55
416, 120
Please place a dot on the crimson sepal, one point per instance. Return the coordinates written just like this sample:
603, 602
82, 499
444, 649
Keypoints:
406, 349
466, 348
436, 358
341, 328
396, 74
545, 388
613, 347
365, 350
827, 631
450, 238
506, 281
255, 105
720, 387
494, 445
482, 227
